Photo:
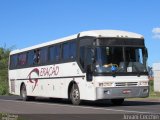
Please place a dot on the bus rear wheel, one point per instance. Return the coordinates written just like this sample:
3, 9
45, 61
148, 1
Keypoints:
75, 95
117, 101
24, 94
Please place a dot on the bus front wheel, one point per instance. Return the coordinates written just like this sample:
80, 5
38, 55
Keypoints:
75, 95
117, 101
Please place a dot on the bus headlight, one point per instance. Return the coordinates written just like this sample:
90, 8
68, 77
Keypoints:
105, 84
143, 83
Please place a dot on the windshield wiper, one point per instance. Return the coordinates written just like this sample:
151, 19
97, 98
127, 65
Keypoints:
116, 71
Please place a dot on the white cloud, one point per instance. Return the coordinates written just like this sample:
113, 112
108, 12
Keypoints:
156, 33
156, 30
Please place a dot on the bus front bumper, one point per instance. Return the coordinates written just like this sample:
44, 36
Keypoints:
122, 92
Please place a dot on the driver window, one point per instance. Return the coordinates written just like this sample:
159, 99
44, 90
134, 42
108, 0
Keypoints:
89, 63
88, 57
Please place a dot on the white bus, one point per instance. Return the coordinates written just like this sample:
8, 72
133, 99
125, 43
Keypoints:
91, 65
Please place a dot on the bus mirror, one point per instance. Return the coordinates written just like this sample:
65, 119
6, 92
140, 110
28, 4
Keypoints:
92, 55
146, 52
89, 72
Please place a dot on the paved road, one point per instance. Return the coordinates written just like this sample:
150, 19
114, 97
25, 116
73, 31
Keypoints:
14, 105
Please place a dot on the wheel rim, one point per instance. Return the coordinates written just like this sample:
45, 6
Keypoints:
75, 95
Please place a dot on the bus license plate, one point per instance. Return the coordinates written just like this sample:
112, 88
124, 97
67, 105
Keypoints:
126, 91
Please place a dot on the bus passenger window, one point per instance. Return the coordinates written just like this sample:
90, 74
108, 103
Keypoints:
30, 58
13, 61
22, 58
69, 51
54, 53
65, 51
51, 54
72, 50
43, 55
36, 58
57, 53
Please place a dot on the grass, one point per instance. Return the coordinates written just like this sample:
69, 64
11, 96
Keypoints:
153, 94
6, 116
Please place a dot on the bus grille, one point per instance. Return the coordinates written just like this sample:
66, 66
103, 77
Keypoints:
125, 84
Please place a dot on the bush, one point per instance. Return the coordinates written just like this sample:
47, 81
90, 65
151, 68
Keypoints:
151, 84
3, 88
4, 55
153, 94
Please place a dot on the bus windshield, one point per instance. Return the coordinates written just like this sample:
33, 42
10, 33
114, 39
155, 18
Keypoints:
120, 59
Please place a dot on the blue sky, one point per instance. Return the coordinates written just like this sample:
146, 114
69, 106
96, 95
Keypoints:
25, 23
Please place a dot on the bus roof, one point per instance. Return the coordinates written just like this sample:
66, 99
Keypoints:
92, 33
110, 33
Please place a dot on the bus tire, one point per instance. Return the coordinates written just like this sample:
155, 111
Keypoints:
75, 95
117, 101
24, 93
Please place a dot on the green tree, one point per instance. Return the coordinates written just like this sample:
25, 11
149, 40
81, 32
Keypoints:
4, 56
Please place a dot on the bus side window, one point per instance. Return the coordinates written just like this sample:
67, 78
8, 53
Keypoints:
57, 53
13, 61
22, 59
65, 53
82, 56
88, 58
69, 51
43, 56
54, 53
51, 54
72, 50
30, 58
36, 57
89, 64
